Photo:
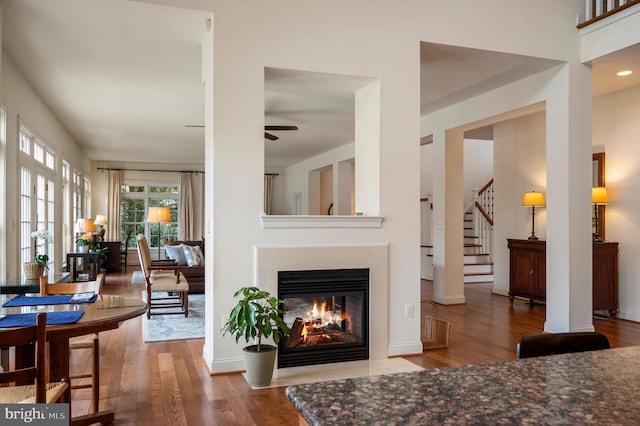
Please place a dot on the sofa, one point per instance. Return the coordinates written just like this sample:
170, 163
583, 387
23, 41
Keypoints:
191, 267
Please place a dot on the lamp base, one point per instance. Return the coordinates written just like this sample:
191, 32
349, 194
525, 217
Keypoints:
533, 237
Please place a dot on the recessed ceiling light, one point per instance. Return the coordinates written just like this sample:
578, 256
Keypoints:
623, 73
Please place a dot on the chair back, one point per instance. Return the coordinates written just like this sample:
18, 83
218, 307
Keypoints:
125, 245
560, 343
29, 344
71, 288
144, 255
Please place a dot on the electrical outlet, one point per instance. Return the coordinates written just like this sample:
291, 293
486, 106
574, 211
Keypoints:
408, 310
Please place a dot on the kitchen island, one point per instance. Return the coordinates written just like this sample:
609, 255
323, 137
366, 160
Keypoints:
599, 387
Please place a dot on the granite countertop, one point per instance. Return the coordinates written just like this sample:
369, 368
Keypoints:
600, 387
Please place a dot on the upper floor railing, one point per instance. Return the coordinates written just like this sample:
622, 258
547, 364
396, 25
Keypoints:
597, 10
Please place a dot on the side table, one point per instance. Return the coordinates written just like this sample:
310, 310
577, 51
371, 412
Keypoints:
90, 261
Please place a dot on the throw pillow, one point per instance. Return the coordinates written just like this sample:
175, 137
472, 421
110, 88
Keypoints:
198, 256
193, 254
176, 253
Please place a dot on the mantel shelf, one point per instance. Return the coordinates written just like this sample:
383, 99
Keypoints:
320, 221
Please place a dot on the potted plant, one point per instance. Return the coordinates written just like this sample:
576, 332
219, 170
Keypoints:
83, 244
257, 315
35, 269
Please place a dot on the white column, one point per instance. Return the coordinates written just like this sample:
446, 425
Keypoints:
448, 200
569, 246
342, 187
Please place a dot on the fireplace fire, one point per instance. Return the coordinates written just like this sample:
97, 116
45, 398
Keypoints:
327, 311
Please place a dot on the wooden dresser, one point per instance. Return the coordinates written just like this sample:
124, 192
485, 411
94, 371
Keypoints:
528, 273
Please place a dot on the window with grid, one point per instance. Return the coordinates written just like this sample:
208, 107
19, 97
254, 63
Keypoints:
37, 196
67, 222
135, 200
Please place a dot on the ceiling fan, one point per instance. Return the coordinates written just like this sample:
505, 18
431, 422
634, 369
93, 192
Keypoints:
276, 128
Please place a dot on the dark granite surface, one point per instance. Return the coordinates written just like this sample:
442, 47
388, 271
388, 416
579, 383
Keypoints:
599, 388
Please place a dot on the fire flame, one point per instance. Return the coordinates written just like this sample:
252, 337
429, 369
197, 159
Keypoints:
318, 317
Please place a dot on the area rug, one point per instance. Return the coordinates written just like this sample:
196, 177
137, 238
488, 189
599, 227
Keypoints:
137, 278
162, 328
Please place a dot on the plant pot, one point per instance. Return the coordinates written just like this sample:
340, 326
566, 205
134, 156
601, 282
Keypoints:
83, 249
33, 270
259, 365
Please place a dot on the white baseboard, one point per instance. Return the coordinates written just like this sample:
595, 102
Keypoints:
453, 300
408, 348
630, 316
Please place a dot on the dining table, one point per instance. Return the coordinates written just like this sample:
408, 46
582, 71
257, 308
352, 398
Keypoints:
107, 312
585, 388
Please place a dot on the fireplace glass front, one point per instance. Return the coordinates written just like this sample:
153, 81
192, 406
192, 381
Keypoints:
327, 311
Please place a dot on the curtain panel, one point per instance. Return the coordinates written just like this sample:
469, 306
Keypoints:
191, 214
113, 205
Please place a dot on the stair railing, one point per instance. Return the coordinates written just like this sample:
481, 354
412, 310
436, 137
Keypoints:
596, 10
483, 217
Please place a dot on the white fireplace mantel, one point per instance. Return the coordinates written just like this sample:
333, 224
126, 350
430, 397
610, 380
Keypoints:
320, 221
269, 260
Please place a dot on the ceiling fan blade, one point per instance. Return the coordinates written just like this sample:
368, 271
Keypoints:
281, 127
270, 136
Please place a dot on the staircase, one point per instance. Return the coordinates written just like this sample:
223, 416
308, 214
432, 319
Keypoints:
478, 266
478, 237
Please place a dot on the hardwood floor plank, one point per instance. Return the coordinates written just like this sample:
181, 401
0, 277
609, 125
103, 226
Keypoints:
167, 383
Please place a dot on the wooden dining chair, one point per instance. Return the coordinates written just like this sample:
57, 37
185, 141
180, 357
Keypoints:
124, 251
163, 276
89, 341
26, 382
560, 343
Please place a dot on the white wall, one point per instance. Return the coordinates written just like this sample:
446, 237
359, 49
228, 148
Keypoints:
478, 167
22, 101
290, 34
519, 167
616, 127
295, 178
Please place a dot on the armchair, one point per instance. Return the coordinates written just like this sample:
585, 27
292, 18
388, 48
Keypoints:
163, 277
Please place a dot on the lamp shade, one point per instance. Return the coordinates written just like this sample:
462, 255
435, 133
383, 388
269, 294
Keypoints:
158, 214
86, 225
533, 199
100, 220
599, 195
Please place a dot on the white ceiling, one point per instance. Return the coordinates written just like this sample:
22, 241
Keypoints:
124, 78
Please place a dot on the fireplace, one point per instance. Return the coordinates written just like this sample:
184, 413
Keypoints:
328, 313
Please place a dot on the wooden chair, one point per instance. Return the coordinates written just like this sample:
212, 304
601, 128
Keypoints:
124, 251
560, 343
89, 341
163, 276
26, 383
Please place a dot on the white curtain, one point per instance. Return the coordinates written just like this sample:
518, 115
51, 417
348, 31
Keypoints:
268, 193
191, 215
113, 205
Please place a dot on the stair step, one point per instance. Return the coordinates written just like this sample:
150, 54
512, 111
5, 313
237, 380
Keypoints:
482, 269
478, 278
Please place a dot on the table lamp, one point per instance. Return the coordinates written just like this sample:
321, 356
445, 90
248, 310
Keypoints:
599, 197
159, 215
533, 199
101, 220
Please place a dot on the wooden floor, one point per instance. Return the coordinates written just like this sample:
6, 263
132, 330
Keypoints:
166, 383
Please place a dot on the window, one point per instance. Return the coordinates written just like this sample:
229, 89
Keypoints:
135, 200
67, 227
37, 195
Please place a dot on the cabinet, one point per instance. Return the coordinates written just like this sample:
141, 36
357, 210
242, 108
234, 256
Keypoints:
527, 269
111, 261
527, 273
